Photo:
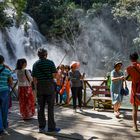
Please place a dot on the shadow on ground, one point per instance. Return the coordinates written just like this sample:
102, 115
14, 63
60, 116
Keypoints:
13, 135
72, 136
93, 115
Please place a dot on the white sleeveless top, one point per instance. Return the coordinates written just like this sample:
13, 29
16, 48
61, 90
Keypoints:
22, 79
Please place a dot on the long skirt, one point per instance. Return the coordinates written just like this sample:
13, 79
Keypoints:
26, 102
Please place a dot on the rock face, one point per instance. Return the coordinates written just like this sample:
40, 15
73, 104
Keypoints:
102, 40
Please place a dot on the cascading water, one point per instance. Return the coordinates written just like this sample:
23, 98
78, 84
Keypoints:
96, 47
16, 42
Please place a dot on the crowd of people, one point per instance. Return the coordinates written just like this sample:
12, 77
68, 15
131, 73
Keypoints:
51, 85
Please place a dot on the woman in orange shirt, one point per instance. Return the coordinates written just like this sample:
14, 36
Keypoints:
134, 72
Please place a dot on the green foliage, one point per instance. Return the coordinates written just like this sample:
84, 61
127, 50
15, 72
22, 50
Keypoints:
129, 9
87, 4
53, 17
19, 6
5, 21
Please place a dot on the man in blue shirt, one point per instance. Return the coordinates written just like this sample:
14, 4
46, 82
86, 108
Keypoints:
5, 81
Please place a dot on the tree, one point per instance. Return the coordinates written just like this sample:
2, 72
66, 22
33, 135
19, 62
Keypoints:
53, 17
19, 7
129, 9
5, 21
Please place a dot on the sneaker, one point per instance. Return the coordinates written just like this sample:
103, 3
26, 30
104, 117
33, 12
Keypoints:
42, 130
56, 130
4, 132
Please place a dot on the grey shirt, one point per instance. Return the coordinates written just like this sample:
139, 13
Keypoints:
75, 78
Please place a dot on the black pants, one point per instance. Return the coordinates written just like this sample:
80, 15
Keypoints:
46, 94
77, 93
42, 100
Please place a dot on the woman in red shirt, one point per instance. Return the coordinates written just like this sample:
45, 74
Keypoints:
134, 72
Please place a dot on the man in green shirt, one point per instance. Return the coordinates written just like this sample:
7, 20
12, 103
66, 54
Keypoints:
43, 72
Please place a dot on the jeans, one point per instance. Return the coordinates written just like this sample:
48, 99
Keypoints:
4, 103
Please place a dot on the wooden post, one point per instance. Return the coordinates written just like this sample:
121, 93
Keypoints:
85, 93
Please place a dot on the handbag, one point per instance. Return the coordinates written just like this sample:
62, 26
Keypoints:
125, 90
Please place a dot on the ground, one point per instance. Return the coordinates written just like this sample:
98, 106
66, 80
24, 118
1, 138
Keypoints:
87, 125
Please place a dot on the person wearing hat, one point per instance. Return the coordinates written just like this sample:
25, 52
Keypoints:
75, 77
43, 73
117, 78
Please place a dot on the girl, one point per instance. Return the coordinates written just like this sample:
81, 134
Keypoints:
26, 96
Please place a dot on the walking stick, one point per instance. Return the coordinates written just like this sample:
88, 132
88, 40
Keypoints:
63, 59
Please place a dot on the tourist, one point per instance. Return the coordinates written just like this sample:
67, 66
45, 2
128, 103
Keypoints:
76, 85
117, 78
67, 83
65, 89
5, 81
10, 95
44, 72
134, 73
25, 92
59, 82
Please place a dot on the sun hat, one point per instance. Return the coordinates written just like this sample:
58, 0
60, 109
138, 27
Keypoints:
117, 63
75, 64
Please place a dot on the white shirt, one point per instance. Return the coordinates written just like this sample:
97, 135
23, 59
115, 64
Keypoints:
22, 79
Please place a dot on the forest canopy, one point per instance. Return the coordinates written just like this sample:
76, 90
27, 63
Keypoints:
56, 18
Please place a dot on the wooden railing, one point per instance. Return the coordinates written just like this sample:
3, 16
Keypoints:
88, 87
89, 84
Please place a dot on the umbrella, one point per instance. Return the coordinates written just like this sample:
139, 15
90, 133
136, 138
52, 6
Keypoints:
75, 64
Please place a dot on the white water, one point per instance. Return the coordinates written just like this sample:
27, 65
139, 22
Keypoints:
89, 47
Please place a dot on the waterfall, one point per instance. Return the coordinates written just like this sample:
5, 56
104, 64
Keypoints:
16, 42
96, 47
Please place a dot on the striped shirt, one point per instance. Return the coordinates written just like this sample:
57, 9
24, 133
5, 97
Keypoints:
4, 75
43, 69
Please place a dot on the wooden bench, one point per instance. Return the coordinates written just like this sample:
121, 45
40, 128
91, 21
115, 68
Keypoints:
101, 96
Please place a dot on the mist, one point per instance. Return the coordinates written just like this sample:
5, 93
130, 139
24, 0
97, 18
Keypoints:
96, 47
